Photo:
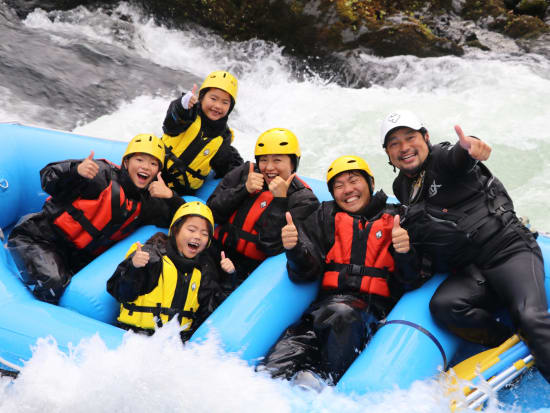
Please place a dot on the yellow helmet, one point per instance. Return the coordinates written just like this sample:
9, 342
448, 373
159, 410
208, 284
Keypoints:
221, 80
278, 141
146, 143
347, 163
193, 208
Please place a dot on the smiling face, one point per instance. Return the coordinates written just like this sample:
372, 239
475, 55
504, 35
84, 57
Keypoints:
215, 103
142, 169
407, 149
351, 191
272, 166
193, 236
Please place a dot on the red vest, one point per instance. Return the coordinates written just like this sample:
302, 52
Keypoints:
360, 259
241, 226
96, 224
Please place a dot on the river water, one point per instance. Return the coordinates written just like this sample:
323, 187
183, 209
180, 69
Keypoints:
111, 73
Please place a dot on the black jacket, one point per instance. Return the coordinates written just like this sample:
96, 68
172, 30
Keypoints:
62, 181
177, 121
128, 283
306, 261
457, 189
231, 194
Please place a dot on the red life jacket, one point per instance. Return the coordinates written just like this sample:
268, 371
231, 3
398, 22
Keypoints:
239, 233
96, 224
359, 259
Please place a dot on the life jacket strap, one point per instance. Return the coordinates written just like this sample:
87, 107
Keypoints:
157, 311
357, 270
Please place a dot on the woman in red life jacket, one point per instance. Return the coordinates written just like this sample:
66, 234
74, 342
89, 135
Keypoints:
93, 204
356, 246
171, 276
249, 204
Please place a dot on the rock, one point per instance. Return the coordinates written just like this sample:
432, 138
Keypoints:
524, 27
324, 27
535, 8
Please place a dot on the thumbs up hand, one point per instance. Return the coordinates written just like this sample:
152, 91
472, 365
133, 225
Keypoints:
159, 189
279, 186
226, 264
88, 168
140, 258
254, 181
289, 233
189, 99
399, 237
477, 149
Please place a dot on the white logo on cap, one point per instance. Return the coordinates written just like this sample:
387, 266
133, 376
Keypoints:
394, 117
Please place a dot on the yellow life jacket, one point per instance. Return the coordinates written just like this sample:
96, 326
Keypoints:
155, 308
188, 157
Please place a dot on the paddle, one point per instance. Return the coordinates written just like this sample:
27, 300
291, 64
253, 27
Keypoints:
497, 367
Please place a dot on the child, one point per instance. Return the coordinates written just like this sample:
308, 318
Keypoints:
93, 204
197, 137
170, 275
250, 203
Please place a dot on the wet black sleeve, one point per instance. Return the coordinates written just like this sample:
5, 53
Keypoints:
62, 181
210, 293
454, 159
305, 262
301, 202
128, 282
407, 269
160, 211
177, 118
229, 194
226, 159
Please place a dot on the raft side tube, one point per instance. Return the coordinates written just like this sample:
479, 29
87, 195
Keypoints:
255, 315
420, 348
24, 319
21, 160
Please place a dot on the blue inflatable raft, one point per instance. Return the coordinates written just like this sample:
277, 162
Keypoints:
409, 347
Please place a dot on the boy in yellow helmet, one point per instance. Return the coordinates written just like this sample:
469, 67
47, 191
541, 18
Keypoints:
93, 204
171, 276
357, 248
249, 204
196, 134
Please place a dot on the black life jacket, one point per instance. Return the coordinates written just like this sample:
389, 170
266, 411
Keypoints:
456, 236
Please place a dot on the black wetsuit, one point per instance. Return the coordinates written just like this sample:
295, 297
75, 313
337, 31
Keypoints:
497, 265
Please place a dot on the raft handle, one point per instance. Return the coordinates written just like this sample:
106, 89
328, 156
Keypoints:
4, 183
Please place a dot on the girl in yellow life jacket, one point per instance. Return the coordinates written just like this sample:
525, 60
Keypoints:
196, 134
171, 276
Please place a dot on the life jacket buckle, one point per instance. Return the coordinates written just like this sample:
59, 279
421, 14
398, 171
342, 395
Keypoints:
355, 269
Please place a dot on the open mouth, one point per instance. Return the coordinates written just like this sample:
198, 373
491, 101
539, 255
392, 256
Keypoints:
216, 113
143, 177
193, 246
408, 157
351, 199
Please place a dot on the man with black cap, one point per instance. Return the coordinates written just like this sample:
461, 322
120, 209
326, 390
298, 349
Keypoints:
461, 219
